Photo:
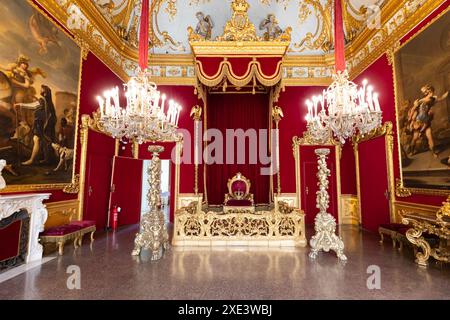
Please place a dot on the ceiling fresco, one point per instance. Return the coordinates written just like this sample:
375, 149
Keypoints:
109, 29
311, 21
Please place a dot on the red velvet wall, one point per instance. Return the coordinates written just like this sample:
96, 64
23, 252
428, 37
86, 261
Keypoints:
380, 75
292, 101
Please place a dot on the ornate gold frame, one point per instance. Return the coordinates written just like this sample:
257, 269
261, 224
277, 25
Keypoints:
73, 186
400, 190
307, 140
385, 131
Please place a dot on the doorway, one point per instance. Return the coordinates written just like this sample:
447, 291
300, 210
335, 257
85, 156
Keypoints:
165, 187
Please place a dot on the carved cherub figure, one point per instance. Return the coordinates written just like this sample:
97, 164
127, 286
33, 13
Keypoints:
270, 24
204, 26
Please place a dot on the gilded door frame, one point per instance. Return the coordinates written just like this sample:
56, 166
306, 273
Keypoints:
385, 131
307, 140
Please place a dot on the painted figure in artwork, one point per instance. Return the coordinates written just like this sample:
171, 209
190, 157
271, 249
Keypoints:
420, 117
43, 127
21, 79
273, 30
204, 26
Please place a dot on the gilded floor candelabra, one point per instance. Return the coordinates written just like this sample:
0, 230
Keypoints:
153, 235
325, 225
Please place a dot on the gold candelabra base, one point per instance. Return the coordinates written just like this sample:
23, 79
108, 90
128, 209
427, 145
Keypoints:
324, 224
153, 235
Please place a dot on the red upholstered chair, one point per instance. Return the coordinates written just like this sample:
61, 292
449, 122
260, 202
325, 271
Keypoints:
239, 196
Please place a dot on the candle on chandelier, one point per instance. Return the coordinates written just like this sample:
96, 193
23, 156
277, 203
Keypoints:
309, 105
376, 101
178, 114
315, 100
155, 106
115, 93
322, 101
163, 101
107, 96
170, 115
101, 105
370, 98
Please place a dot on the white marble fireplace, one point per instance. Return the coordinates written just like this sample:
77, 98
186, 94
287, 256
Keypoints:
33, 203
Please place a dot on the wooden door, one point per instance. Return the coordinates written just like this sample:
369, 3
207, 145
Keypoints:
126, 187
308, 183
98, 177
374, 183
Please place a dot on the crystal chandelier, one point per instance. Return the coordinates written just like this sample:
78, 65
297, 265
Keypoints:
343, 109
145, 116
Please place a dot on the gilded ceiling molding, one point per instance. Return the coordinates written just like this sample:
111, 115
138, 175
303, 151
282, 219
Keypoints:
398, 18
83, 19
322, 38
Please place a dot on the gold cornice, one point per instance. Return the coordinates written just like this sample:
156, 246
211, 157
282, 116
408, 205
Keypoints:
388, 41
174, 81
171, 60
211, 48
301, 82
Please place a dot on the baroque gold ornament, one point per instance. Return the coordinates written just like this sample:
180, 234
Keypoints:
325, 225
239, 28
153, 235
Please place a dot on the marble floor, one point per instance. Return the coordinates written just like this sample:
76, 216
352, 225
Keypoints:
109, 272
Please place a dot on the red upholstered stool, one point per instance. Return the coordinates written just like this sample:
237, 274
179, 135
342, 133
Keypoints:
86, 226
83, 223
60, 235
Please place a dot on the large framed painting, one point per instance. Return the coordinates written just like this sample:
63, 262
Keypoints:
40, 73
422, 78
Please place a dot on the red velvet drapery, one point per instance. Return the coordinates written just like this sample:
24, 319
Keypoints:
143, 35
237, 111
239, 70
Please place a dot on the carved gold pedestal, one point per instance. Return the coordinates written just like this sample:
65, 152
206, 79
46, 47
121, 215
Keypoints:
325, 225
153, 235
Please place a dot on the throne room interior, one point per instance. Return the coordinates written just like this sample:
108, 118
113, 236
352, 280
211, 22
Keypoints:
79, 197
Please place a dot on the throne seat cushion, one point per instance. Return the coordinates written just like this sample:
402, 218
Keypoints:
239, 203
61, 230
83, 223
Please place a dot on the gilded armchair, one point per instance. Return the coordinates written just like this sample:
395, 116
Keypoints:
239, 197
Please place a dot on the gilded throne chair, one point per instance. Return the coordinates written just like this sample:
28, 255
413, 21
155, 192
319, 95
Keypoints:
239, 198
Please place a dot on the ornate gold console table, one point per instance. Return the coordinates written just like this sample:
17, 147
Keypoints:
439, 226
284, 226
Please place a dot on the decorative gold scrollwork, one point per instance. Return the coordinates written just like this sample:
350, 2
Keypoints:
286, 224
